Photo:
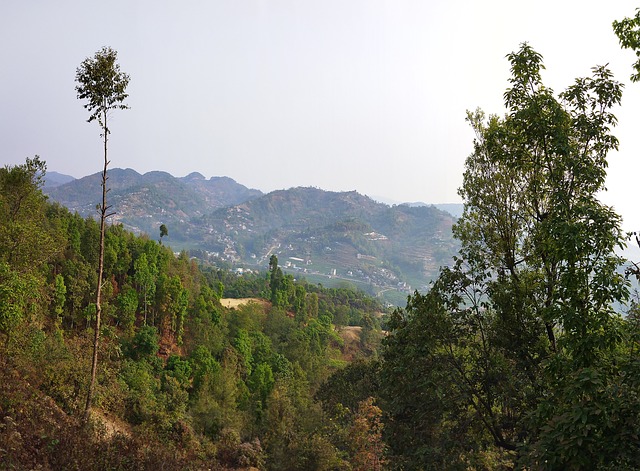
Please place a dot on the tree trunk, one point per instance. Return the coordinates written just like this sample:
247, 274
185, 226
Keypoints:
96, 334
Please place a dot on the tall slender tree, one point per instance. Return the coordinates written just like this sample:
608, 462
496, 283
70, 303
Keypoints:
101, 83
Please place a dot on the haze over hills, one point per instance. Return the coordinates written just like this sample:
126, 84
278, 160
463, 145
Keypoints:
319, 234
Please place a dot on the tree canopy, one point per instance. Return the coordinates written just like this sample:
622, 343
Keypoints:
102, 84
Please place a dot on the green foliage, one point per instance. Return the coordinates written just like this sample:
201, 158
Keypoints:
14, 292
205, 328
628, 32
59, 295
142, 387
260, 383
216, 403
145, 343
127, 306
495, 355
163, 231
27, 239
276, 280
63, 369
204, 366
145, 274
346, 388
417, 375
590, 421
174, 303
242, 344
102, 84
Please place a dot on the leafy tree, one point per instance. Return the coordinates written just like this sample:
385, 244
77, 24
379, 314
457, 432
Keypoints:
102, 84
260, 383
299, 302
366, 433
311, 305
242, 344
203, 366
79, 278
13, 295
347, 387
127, 307
175, 300
529, 299
27, 242
142, 391
145, 343
216, 403
26, 239
118, 255
163, 231
275, 281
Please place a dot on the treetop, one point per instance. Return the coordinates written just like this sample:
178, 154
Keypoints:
101, 82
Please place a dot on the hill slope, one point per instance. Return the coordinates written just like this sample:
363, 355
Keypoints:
322, 233
328, 237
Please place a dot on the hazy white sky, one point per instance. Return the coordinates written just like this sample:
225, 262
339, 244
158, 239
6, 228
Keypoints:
366, 95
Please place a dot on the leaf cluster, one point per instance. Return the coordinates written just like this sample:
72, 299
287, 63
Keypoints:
102, 84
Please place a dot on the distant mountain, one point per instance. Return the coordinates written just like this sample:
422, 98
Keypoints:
322, 235
344, 235
53, 179
143, 202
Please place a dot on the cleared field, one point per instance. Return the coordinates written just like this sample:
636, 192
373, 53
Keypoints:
350, 333
233, 303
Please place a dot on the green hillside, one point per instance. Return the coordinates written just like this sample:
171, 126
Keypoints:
183, 382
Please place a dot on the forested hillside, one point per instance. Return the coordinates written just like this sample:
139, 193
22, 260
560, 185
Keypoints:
182, 380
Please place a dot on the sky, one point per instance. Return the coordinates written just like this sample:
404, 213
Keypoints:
366, 95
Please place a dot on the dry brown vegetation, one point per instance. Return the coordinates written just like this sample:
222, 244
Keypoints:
235, 303
35, 433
